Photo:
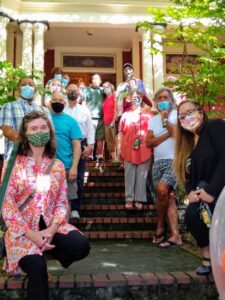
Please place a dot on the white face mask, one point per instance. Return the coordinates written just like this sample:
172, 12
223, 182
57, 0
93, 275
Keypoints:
191, 123
107, 90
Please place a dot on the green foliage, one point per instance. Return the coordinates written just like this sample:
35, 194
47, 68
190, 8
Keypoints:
9, 79
200, 22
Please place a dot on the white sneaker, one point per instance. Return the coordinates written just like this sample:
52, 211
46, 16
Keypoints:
74, 214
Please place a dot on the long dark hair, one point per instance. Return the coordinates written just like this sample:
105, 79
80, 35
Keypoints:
184, 143
24, 146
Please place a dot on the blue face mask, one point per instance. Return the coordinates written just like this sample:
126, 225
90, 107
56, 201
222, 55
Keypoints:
64, 82
163, 105
27, 92
137, 101
58, 77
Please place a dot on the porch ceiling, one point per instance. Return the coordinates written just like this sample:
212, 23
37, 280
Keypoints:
87, 35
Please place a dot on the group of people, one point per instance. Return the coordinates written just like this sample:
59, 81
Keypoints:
173, 144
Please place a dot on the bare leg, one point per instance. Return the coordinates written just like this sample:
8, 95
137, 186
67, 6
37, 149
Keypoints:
162, 192
99, 148
172, 215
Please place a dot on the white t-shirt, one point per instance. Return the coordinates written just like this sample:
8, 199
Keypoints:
83, 116
165, 150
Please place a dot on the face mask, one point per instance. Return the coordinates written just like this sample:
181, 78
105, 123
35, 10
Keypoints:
27, 92
72, 96
137, 101
108, 91
128, 74
58, 77
163, 105
57, 107
191, 123
56, 88
64, 82
39, 139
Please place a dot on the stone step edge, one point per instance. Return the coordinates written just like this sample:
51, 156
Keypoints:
111, 280
112, 207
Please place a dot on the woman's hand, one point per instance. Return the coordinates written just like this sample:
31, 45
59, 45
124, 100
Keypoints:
40, 238
193, 197
205, 196
200, 194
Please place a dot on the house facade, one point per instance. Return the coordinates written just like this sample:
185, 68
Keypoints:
83, 37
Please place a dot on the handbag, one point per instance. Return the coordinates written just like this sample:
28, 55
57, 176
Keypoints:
3, 189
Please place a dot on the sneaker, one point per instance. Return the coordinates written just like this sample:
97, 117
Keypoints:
90, 158
74, 214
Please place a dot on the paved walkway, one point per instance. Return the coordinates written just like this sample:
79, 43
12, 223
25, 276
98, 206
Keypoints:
129, 256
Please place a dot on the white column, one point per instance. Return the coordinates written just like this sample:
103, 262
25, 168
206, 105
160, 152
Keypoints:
38, 65
147, 63
27, 29
136, 57
39, 30
3, 34
158, 62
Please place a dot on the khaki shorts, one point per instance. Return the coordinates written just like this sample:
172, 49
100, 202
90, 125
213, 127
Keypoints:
99, 129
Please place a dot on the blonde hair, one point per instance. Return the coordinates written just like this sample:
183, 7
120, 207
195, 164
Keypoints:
184, 144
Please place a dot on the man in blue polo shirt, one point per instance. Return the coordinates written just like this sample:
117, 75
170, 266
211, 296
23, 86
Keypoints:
68, 148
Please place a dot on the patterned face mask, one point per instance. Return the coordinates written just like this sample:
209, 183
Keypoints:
39, 139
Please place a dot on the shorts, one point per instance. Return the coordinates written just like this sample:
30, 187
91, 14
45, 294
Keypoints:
162, 171
99, 129
110, 138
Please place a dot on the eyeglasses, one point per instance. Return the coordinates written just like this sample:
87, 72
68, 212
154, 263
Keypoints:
189, 112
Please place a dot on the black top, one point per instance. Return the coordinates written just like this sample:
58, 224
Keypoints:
208, 159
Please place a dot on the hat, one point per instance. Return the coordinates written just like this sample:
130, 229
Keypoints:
127, 65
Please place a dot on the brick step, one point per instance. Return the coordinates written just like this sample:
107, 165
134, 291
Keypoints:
93, 207
163, 285
89, 184
110, 220
110, 200
104, 174
141, 234
104, 189
104, 195
96, 164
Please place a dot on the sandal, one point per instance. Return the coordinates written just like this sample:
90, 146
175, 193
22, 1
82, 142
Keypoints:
205, 268
168, 244
138, 205
160, 238
129, 205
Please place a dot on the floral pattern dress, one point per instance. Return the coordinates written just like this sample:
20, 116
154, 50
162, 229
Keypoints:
49, 201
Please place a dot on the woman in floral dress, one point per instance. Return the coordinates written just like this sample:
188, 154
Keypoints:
41, 226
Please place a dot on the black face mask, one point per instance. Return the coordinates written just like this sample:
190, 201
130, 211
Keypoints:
72, 96
57, 107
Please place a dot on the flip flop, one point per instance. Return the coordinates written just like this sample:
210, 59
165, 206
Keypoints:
129, 205
158, 239
168, 244
138, 205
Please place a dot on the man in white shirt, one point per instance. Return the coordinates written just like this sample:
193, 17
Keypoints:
82, 115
